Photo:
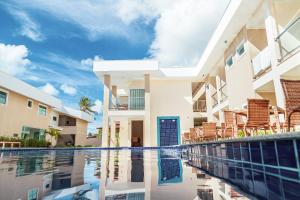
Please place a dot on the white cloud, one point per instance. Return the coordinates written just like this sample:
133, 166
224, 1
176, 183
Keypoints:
182, 31
29, 28
67, 89
88, 63
50, 89
70, 63
98, 106
182, 28
13, 59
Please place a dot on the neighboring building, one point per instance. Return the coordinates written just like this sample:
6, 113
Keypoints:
26, 112
255, 44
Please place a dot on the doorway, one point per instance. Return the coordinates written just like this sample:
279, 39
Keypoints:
137, 132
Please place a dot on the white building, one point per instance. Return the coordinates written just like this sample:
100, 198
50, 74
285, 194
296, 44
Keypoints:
255, 44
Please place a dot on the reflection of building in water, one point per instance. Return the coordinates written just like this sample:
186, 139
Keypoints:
36, 175
210, 188
146, 175
17, 181
124, 177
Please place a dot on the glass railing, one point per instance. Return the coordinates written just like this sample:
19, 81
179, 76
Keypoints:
199, 106
135, 101
261, 62
223, 91
214, 97
289, 38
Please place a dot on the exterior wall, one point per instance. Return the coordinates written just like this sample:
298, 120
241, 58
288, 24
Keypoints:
94, 141
171, 98
81, 132
240, 72
15, 114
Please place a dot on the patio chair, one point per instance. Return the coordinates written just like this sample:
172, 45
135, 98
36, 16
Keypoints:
194, 135
258, 115
186, 138
232, 124
209, 131
291, 90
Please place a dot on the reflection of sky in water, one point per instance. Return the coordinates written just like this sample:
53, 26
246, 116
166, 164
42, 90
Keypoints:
89, 178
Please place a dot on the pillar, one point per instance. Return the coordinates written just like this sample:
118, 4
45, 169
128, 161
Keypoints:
114, 95
209, 100
218, 85
147, 119
106, 91
113, 141
272, 33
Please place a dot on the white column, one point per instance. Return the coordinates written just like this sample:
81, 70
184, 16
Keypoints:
272, 33
106, 91
209, 101
125, 134
218, 82
147, 119
113, 141
114, 95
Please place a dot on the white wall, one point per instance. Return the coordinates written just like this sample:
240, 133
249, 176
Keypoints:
171, 98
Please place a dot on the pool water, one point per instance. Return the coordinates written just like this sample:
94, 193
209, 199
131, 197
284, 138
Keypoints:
117, 174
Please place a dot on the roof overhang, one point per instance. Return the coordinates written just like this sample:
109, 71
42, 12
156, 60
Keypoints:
13, 84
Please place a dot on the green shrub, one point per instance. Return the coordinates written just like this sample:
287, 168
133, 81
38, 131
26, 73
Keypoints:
35, 143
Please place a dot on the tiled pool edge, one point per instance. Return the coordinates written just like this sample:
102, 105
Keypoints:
90, 148
263, 166
282, 136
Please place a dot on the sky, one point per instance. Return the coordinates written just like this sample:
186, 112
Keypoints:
52, 44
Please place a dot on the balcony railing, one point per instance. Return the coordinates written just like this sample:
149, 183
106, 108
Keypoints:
261, 62
214, 97
289, 38
223, 91
199, 106
135, 101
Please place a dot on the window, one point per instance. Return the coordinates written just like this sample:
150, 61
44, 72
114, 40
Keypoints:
3, 97
240, 49
29, 104
54, 118
229, 61
33, 194
42, 110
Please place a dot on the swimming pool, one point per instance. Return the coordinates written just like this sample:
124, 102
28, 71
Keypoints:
107, 174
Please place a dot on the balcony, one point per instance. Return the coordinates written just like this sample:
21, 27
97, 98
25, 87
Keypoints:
261, 62
199, 106
134, 105
135, 101
223, 92
289, 39
214, 97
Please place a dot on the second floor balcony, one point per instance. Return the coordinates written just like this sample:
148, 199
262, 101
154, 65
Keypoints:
289, 39
135, 101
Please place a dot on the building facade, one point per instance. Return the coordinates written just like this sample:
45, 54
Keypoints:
27, 112
255, 44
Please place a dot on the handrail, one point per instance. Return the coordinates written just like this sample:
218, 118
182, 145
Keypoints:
287, 28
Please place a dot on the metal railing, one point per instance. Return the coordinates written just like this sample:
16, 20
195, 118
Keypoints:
289, 38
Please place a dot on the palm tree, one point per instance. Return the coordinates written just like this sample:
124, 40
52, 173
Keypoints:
53, 133
86, 105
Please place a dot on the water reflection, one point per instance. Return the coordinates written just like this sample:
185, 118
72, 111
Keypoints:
106, 175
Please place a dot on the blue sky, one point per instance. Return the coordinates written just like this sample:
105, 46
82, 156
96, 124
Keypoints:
52, 44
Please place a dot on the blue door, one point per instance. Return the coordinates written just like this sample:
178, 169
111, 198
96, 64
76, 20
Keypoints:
168, 130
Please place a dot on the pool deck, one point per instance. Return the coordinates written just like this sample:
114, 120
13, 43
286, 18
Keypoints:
282, 136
